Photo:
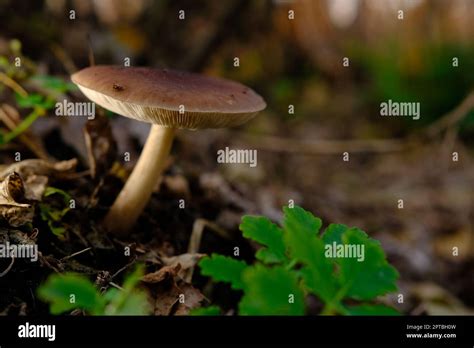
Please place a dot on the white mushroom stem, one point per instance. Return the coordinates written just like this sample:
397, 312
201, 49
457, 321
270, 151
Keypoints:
137, 190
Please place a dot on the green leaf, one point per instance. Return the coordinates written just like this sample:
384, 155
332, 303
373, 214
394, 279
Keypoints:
271, 291
206, 311
371, 309
60, 290
301, 229
298, 219
55, 84
23, 126
367, 279
53, 190
128, 301
34, 100
223, 269
52, 215
263, 231
310, 262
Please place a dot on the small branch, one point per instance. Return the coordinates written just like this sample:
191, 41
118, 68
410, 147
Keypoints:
24, 125
116, 286
27, 139
7, 81
75, 254
64, 58
453, 117
8, 268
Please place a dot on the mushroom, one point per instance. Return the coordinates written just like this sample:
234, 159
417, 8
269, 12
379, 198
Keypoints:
169, 100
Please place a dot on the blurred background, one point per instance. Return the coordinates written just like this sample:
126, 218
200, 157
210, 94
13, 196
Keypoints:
293, 54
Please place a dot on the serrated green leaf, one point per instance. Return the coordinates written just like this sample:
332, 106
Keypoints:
223, 269
333, 233
54, 190
298, 219
206, 311
367, 279
263, 231
301, 229
271, 291
371, 309
60, 289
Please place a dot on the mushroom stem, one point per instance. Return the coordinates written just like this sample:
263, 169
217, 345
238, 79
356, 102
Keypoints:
137, 190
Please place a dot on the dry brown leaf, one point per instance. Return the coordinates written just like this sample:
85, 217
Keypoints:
100, 144
439, 301
177, 184
192, 299
24, 182
164, 273
461, 239
166, 299
30, 167
186, 261
13, 206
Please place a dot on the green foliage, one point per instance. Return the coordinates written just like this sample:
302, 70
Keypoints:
51, 88
66, 292
206, 311
53, 215
416, 76
69, 291
34, 100
271, 291
54, 84
224, 269
295, 261
263, 231
40, 104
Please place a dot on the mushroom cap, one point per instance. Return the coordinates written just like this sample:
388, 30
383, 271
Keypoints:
169, 98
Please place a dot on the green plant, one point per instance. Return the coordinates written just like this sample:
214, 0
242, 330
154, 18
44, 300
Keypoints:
51, 89
297, 260
52, 215
69, 291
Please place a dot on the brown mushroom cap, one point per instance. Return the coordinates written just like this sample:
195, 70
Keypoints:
155, 96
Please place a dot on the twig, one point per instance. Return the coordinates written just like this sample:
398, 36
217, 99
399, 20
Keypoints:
116, 286
91, 51
7, 81
123, 268
8, 268
453, 117
75, 254
64, 58
24, 125
196, 237
198, 229
33, 146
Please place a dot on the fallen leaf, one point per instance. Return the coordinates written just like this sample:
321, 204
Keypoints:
185, 261
177, 184
100, 144
31, 167
439, 301
192, 299
13, 208
23, 183
461, 239
165, 300
164, 273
